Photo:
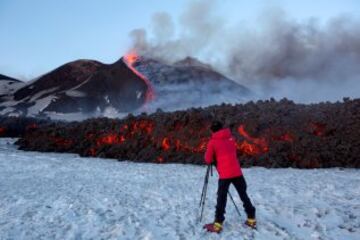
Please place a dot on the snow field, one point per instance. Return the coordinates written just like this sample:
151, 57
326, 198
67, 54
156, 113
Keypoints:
63, 196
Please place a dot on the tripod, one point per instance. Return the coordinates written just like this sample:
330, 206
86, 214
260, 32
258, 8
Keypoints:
204, 191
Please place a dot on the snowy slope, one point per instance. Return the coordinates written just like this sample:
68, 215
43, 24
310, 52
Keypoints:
82, 88
63, 196
189, 83
9, 86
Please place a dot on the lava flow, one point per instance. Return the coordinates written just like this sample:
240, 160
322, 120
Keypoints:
318, 129
129, 59
251, 145
296, 139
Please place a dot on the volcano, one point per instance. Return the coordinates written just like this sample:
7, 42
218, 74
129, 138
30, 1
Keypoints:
81, 88
189, 83
88, 88
8, 85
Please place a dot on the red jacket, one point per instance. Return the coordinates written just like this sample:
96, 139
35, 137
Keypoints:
222, 146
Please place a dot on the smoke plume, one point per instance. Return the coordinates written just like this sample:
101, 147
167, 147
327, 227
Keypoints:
306, 61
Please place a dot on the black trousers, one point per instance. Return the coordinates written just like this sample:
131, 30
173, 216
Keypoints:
223, 188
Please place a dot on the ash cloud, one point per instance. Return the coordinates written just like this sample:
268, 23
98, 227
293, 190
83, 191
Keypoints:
196, 30
306, 61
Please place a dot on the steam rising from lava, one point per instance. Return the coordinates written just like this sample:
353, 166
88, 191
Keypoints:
305, 61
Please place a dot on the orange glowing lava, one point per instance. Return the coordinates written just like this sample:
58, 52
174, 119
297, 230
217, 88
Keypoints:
201, 147
140, 126
249, 149
165, 144
129, 59
318, 129
110, 139
143, 130
251, 145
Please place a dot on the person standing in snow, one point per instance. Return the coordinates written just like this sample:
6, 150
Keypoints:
221, 151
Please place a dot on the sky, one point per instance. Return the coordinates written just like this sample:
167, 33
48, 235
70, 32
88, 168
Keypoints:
39, 35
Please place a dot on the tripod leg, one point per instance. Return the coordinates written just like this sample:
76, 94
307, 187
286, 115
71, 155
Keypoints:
238, 211
203, 202
204, 186
203, 194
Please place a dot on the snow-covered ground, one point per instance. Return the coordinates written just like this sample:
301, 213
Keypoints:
63, 196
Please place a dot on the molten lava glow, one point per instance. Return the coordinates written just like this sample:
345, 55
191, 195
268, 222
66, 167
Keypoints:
251, 145
160, 159
125, 132
202, 145
145, 132
165, 144
185, 146
140, 126
130, 59
144, 129
2, 131
110, 139
250, 149
318, 129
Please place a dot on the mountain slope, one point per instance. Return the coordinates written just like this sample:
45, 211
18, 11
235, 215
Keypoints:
8, 85
81, 87
189, 83
87, 88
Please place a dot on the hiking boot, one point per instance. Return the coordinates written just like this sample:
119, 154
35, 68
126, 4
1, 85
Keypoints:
215, 227
251, 222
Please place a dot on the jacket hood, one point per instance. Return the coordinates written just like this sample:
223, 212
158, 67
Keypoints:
223, 133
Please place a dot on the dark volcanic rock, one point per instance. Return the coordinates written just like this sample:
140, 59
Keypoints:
61, 79
268, 133
83, 86
17, 127
112, 85
124, 89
